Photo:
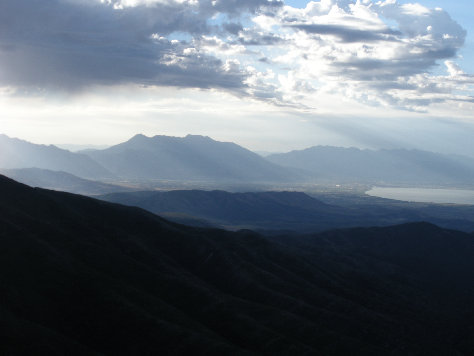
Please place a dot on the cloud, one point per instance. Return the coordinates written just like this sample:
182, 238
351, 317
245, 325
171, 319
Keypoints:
374, 52
252, 37
348, 34
233, 27
378, 52
72, 44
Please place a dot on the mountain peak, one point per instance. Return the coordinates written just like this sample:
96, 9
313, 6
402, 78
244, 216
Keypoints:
139, 137
198, 137
142, 137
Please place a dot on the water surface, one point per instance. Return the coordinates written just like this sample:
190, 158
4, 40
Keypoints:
425, 195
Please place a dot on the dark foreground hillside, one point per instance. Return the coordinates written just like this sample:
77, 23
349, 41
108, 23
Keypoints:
81, 276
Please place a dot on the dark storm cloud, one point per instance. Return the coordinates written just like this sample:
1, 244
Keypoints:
348, 34
232, 27
65, 44
378, 69
254, 38
235, 7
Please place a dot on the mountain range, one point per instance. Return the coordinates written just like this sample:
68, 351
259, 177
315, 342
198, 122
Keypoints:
396, 166
192, 158
200, 159
87, 277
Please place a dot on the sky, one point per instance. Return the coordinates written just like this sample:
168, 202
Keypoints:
267, 74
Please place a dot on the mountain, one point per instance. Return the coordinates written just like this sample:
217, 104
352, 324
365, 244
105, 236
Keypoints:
192, 158
87, 277
44, 178
278, 211
16, 153
383, 166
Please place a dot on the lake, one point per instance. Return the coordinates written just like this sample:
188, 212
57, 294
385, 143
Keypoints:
425, 195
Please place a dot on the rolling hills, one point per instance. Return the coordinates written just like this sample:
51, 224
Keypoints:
274, 211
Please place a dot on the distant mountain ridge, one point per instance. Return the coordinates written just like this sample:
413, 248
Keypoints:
16, 153
201, 159
188, 158
326, 163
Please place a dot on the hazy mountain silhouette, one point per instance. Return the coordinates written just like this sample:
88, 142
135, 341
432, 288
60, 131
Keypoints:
186, 159
390, 166
16, 153
199, 158
293, 211
82, 276
44, 178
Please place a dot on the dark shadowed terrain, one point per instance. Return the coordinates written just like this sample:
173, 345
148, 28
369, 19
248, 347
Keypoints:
81, 276
291, 211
